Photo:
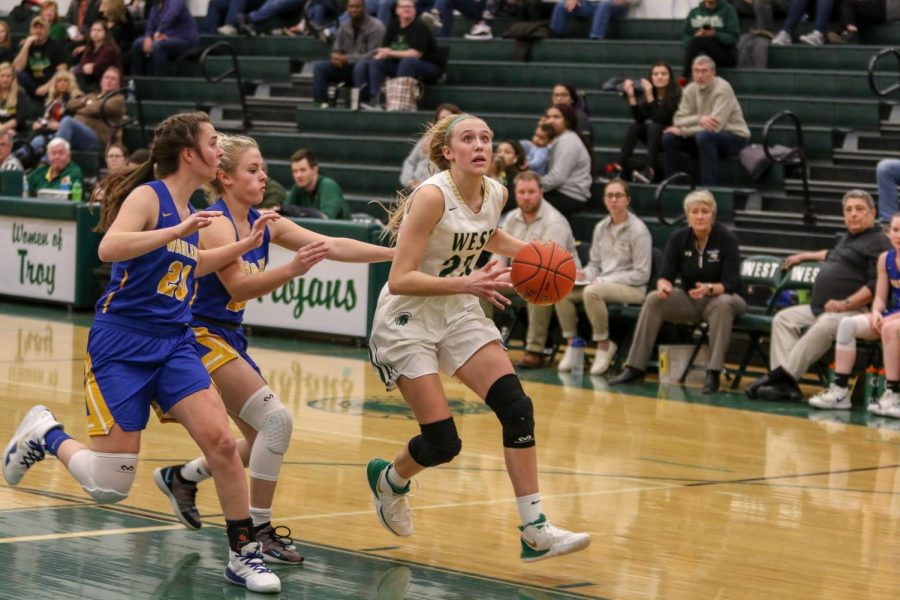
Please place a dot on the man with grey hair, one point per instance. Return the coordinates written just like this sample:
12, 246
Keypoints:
59, 173
8, 160
709, 124
844, 286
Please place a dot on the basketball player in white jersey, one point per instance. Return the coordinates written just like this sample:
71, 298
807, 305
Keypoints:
428, 320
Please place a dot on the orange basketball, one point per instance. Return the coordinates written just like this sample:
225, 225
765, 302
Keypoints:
543, 272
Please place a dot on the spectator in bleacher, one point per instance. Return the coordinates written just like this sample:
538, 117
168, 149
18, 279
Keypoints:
314, 191
319, 13
138, 157
653, 110
764, 11
509, 161
408, 50
86, 128
712, 28
81, 14
417, 167
59, 172
706, 258
869, 12
567, 184
169, 33
116, 157
50, 12
474, 10
274, 194
8, 160
883, 321
796, 12
843, 287
222, 15
617, 272
354, 47
13, 101
600, 12
887, 175
7, 52
709, 124
534, 219
119, 24
563, 93
97, 55
537, 150
63, 88
38, 59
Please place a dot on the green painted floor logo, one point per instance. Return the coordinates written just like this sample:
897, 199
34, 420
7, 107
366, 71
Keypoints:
390, 407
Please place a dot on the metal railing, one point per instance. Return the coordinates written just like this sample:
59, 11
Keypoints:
234, 70
121, 123
796, 155
873, 63
679, 177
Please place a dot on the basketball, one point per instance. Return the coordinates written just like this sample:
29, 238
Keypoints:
543, 272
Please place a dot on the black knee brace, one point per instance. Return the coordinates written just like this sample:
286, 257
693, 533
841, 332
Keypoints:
437, 444
514, 409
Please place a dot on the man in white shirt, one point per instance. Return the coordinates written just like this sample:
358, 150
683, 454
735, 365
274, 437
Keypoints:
8, 160
535, 219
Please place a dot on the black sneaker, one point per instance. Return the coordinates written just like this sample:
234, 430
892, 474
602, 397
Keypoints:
182, 494
277, 546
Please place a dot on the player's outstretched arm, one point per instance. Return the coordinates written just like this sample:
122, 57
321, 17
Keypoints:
213, 259
288, 234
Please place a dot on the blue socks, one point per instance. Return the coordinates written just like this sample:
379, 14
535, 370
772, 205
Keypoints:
53, 439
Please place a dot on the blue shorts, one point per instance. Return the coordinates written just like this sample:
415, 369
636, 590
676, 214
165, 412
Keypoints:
219, 345
126, 371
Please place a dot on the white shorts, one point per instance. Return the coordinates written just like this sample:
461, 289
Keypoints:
416, 336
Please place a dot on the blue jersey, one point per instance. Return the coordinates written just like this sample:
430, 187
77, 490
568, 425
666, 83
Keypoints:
893, 274
155, 288
213, 301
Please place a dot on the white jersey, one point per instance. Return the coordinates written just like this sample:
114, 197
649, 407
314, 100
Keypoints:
459, 237
418, 335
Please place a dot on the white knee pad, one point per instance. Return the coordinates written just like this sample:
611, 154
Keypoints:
848, 330
107, 478
265, 413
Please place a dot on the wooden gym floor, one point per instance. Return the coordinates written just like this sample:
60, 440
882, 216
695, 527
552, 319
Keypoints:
686, 497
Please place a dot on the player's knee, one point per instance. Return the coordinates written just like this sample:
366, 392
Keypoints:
438, 443
106, 477
515, 411
846, 332
265, 413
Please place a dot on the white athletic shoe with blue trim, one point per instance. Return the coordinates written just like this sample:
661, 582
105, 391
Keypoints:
27, 444
248, 569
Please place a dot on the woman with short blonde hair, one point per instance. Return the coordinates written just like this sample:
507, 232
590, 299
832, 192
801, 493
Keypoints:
705, 256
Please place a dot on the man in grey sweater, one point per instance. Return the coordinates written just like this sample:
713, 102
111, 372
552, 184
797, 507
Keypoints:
355, 45
709, 123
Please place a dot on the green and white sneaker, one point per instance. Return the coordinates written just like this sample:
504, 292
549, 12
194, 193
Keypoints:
391, 506
541, 539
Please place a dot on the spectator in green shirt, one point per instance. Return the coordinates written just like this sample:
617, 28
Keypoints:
312, 190
60, 172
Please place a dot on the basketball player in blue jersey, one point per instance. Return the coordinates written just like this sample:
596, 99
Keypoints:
218, 311
428, 320
141, 347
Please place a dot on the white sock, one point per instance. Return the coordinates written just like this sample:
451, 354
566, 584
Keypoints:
530, 508
395, 481
260, 516
194, 471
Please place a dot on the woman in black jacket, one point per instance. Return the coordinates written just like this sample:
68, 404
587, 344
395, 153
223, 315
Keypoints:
706, 259
653, 103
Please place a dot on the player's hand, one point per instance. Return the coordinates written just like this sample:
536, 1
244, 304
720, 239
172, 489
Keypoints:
307, 257
877, 322
255, 239
488, 281
196, 221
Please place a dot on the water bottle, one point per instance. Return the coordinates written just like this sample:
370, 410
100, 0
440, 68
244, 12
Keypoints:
76, 191
870, 389
65, 185
24, 186
577, 345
